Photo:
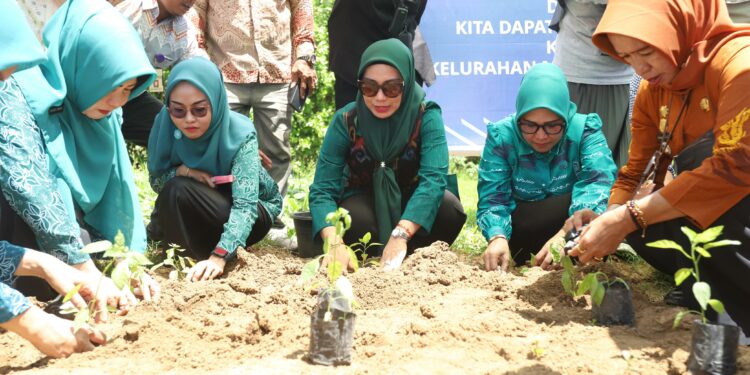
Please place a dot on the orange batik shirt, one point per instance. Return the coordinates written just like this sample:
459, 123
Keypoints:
720, 103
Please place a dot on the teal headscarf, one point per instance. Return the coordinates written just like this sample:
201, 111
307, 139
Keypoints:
385, 139
214, 151
96, 50
20, 47
545, 86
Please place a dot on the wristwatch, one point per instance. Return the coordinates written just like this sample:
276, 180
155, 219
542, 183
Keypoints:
219, 252
309, 58
399, 232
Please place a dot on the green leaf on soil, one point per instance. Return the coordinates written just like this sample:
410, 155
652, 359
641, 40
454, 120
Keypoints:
96, 247
702, 293
309, 271
681, 275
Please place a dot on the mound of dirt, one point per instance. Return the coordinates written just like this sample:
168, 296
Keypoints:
438, 314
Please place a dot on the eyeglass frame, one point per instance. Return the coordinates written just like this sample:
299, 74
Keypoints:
545, 126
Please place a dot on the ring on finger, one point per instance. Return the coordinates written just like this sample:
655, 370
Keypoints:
598, 259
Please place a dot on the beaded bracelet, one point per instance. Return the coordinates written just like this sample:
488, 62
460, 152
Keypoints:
636, 214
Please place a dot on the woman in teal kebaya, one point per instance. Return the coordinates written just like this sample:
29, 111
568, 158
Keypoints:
195, 139
540, 166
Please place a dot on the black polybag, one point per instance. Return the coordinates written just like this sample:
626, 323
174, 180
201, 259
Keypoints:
617, 306
331, 341
714, 349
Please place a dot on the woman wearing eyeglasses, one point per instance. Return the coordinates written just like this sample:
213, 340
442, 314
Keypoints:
203, 162
385, 159
541, 168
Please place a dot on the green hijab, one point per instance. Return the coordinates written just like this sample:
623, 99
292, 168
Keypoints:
385, 139
20, 47
214, 151
96, 50
544, 86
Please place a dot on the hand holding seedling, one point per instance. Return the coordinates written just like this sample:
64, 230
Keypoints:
393, 254
208, 269
338, 251
579, 219
195, 174
497, 254
54, 336
545, 258
603, 234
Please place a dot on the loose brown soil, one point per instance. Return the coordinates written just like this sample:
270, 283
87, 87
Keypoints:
437, 315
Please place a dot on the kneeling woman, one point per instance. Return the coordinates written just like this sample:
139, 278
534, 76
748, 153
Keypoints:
196, 143
392, 146
540, 166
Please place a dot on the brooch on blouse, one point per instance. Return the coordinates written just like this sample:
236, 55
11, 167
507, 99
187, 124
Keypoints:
705, 105
177, 134
663, 113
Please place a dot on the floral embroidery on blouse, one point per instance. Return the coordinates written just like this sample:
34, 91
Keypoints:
12, 303
26, 181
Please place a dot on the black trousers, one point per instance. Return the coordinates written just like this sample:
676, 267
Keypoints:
534, 223
448, 223
192, 215
138, 116
728, 269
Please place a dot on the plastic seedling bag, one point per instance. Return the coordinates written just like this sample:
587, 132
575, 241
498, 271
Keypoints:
714, 349
617, 306
332, 329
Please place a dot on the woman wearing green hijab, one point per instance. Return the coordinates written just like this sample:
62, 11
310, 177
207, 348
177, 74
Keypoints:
214, 197
542, 167
390, 144
95, 64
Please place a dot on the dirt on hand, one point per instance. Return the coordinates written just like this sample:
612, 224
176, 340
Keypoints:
437, 314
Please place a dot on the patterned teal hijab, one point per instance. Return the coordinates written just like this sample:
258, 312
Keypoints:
20, 47
96, 50
214, 151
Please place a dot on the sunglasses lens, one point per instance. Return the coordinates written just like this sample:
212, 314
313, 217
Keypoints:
177, 112
554, 128
393, 89
528, 128
368, 88
199, 112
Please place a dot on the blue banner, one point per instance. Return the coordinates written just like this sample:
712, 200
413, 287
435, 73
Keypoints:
480, 50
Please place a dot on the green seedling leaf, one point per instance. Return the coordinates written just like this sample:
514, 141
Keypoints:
665, 244
365, 239
689, 233
702, 293
71, 293
681, 275
678, 318
121, 275
709, 234
96, 247
353, 255
567, 283
721, 243
138, 259
716, 305
597, 293
120, 239
702, 252
334, 271
309, 271
586, 284
554, 249
621, 281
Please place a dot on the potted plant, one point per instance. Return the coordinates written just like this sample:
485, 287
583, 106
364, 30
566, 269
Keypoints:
714, 346
297, 203
332, 320
611, 300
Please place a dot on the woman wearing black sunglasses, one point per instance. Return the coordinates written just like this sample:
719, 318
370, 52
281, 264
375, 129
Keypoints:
542, 167
203, 161
385, 159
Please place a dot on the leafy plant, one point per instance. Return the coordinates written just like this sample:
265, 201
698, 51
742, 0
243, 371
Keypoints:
173, 259
361, 248
342, 221
700, 243
596, 283
125, 265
